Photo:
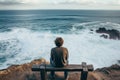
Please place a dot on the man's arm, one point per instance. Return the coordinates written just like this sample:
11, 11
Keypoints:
67, 53
51, 56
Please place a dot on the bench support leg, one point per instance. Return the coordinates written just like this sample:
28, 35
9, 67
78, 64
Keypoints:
65, 74
84, 75
43, 75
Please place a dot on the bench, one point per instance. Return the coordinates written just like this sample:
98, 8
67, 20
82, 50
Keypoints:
44, 68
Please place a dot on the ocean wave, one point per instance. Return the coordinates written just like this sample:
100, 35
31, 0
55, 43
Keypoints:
95, 25
24, 45
9, 48
99, 16
37, 19
54, 19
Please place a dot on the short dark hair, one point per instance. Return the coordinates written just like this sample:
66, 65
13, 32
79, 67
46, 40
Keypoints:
59, 41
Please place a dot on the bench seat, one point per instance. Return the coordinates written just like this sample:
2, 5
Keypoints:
44, 68
70, 67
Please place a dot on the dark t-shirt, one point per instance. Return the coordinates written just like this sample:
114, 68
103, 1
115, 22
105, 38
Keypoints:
59, 57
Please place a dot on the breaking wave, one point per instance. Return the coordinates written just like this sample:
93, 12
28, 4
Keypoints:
22, 45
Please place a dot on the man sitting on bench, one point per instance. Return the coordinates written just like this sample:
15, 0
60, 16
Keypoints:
59, 57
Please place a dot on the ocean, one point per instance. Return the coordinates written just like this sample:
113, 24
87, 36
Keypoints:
26, 35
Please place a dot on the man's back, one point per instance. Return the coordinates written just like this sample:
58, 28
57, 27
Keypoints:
59, 56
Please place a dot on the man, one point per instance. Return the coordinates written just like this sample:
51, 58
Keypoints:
59, 56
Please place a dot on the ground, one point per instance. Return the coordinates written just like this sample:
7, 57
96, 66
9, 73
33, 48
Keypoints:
23, 72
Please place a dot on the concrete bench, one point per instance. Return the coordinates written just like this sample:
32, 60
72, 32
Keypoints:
44, 68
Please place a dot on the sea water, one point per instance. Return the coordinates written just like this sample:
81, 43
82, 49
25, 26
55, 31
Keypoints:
26, 35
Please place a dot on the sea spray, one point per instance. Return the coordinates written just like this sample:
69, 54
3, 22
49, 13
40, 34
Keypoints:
82, 47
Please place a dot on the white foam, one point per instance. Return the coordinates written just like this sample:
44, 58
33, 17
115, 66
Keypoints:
85, 47
95, 25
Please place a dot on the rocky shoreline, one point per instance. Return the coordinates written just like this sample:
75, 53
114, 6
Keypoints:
109, 34
23, 72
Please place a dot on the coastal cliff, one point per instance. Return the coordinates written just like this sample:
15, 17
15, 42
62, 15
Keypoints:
20, 72
23, 72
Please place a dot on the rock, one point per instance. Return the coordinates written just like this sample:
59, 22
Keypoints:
104, 36
91, 29
101, 30
113, 34
104, 70
110, 73
20, 72
119, 61
115, 67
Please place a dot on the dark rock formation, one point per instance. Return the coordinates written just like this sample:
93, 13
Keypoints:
104, 36
113, 34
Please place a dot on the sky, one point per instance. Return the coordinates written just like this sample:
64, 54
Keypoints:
60, 4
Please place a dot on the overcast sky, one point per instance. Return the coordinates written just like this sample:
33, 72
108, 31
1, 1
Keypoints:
60, 4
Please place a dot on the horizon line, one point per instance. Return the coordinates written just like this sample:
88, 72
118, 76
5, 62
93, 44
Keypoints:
63, 9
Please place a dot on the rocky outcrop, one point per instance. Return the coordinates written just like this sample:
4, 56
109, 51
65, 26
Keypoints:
111, 34
23, 72
110, 73
20, 72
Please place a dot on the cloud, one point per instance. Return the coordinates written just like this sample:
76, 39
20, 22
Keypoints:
12, 2
91, 2
84, 2
60, 4
9, 2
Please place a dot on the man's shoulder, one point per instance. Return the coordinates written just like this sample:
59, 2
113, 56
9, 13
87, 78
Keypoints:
53, 48
64, 47
60, 47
